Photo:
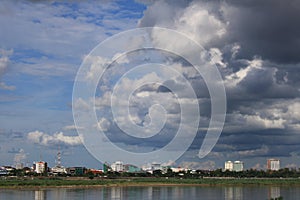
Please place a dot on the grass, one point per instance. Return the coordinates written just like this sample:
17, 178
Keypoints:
61, 182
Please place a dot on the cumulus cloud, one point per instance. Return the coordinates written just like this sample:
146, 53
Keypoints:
59, 138
4, 62
103, 124
255, 46
20, 157
193, 18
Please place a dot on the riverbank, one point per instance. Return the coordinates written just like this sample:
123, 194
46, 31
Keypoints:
124, 182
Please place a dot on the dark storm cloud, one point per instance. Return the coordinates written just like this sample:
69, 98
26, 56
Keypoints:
269, 28
266, 83
135, 144
262, 144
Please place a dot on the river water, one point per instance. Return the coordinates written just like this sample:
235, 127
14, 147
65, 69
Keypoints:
156, 192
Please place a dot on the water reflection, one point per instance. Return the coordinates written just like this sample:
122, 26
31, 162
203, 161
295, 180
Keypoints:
116, 192
156, 192
233, 193
40, 194
274, 192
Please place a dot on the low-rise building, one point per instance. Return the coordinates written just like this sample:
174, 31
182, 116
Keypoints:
117, 166
131, 168
76, 171
58, 170
3, 171
156, 166
40, 167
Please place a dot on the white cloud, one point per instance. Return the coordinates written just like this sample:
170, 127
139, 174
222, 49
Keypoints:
6, 87
54, 37
59, 138
97, 67
245, 122
71, 127
263, 123
263, 151
283, 114
194, 20
199, 24
4, 61
20, 157
103, 124
235, 78
291, 166
216, 57
80, 104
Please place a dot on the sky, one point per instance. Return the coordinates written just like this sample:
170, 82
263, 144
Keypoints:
254, 45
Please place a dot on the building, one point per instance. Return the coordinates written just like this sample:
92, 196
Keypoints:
273, 164
229, 165
177, 169
95, 172
40, 167
19, 166
76, 171
132, 168
117, 166
156, 166
238, 166
106, 167
3, 171
8, 169
58, 170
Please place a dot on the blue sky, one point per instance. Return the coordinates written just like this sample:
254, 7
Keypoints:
42, 46
43, 43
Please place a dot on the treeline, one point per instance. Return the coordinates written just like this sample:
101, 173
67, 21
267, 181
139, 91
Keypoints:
251, 173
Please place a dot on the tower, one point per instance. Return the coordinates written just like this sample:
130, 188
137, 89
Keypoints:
58, 161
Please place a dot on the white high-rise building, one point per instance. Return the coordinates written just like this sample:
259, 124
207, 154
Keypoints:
229, 165
238, 166
273, 164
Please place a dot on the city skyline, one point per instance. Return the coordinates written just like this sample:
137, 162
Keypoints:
43, 44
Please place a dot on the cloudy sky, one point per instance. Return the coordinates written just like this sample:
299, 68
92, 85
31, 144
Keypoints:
254, 44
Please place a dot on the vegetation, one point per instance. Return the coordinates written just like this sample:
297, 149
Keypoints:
86, 181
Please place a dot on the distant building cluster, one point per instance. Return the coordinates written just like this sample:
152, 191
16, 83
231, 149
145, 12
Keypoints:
41, 168
119, 166
237, 166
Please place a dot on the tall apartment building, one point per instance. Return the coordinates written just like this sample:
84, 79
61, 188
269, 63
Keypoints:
273, 164
236, 166
229, 165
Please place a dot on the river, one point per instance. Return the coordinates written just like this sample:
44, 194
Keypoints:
156, 192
